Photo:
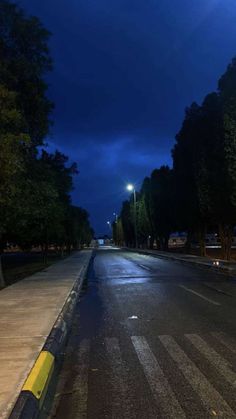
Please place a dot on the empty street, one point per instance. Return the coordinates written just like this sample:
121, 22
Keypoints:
151, 338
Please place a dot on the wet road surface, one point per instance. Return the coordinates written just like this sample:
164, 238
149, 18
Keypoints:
151, 338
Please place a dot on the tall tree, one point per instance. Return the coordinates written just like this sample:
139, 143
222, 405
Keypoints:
117, 232
227, 93
24, 106
186, 154
24, 60
147, 203
35, 186
210, 181
127, 220
161, 207
45, 200
143, 222
13, 145
77, 228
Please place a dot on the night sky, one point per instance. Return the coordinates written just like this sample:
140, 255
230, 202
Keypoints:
124, 71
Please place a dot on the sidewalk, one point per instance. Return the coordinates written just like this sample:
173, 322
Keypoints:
28, 311
207, 262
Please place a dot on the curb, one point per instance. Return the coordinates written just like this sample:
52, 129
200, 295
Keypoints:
219, 269
34, 390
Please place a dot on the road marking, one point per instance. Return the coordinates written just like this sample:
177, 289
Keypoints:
80, 385
224, 367
158, 383
144, 267
227, 341
121, 405
210, 397
200, 295
216, 289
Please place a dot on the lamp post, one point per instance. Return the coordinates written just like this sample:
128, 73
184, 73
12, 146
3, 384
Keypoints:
131, 188
114, 228
116, 216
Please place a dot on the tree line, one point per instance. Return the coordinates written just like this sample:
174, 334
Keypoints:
198, 194
35, 185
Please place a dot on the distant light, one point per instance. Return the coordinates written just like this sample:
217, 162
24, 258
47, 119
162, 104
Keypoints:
130, 187
216, 263
108, 222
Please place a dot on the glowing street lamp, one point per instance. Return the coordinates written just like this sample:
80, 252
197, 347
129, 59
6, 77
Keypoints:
131, 188
109, 226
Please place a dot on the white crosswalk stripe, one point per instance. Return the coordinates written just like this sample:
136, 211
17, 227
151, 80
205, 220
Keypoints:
121, 406
158, 383
80, 386
228, 342
214, 358
167, 403
211, 399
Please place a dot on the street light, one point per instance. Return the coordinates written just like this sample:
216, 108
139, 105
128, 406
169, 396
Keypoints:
110, 227
131, 188
115, 215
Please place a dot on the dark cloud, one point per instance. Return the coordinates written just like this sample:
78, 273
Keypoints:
124, 72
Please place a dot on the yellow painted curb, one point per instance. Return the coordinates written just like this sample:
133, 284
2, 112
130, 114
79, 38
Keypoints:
38, 379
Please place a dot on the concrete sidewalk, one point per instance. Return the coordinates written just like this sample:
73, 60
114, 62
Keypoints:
28, 311
228, 267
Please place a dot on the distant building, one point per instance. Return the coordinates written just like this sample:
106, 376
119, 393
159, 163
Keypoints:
101, 241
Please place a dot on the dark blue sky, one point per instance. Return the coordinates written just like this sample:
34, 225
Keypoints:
124, 71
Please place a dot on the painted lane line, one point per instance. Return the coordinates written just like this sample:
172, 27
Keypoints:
211, 287
227, 341
210, 397
80, 385
121, 403
144, 267
223, 366
200, 295
162, 392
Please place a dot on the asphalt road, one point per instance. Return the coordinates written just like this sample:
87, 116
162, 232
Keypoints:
152, 338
